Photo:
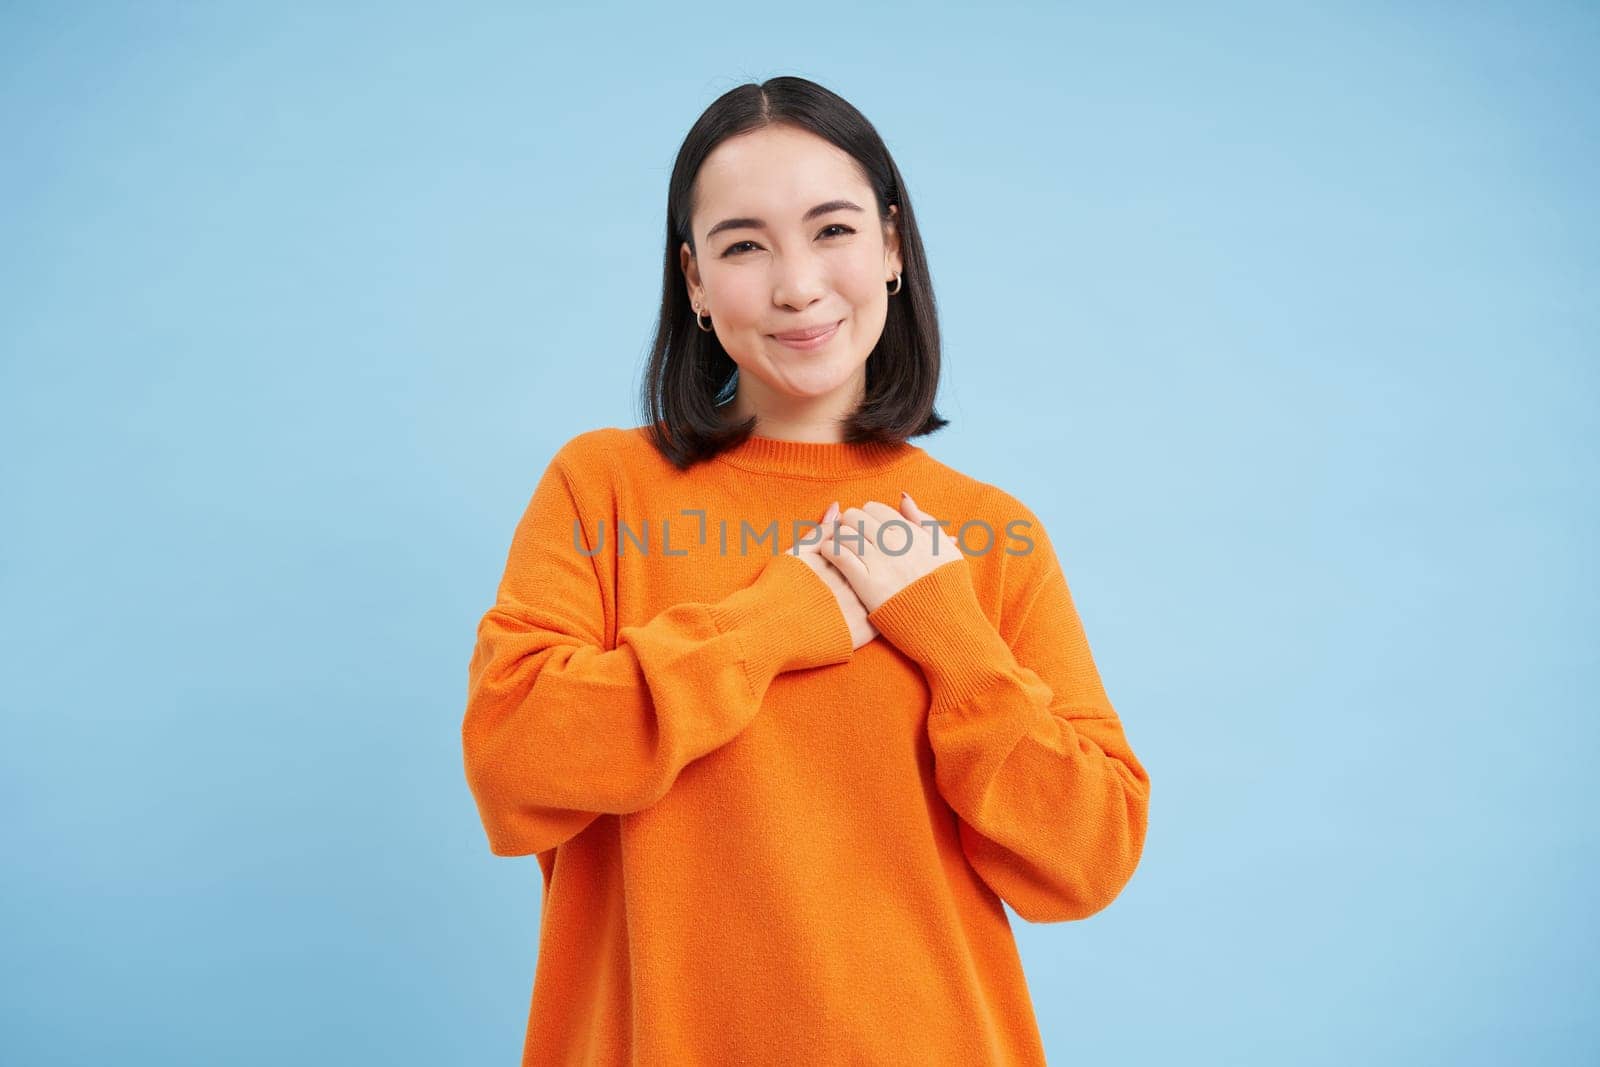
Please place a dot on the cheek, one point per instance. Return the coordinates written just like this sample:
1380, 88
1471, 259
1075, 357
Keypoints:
740, 298
859, 281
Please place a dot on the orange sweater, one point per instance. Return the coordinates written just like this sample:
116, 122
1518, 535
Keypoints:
758, 845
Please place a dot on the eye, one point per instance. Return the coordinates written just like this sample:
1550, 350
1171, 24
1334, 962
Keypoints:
733, 249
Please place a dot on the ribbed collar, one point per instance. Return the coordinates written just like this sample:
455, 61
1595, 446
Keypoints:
815, 459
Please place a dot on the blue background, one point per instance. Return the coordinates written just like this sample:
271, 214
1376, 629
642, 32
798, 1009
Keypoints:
1282, 317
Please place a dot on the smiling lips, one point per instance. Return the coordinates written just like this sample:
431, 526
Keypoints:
813, 337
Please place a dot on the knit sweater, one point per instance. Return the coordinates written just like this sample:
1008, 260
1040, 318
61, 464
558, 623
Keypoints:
760, 846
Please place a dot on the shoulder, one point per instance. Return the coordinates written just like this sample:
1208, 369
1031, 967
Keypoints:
603, 464
988, 519
986, 510
601, 454
958, 494
588, 451
1008, 546
1013, 520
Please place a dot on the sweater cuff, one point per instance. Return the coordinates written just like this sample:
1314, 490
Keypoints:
787, 619
938, 621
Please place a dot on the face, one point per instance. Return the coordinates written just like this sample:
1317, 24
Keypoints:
765, 265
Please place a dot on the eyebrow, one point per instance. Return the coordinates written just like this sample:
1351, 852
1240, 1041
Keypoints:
757, 224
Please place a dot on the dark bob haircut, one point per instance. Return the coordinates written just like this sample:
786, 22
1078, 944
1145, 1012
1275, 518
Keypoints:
690, 374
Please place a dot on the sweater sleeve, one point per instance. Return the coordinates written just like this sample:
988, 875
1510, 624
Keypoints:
560, 728
1028, 750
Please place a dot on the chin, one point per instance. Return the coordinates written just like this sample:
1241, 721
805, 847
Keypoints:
811, 383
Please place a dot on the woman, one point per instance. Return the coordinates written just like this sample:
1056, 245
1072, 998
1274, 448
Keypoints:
780, 776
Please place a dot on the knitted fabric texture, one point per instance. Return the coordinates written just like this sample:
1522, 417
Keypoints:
759, 846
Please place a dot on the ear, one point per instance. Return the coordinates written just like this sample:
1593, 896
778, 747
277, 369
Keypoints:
891, 241
691, 270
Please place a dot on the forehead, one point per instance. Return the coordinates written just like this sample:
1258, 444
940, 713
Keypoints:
776, 170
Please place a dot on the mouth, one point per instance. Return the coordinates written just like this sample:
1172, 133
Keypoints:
803, 340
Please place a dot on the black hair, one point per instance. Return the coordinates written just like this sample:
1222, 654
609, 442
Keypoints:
690, 374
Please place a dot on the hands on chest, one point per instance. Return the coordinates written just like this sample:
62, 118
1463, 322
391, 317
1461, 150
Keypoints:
867, 554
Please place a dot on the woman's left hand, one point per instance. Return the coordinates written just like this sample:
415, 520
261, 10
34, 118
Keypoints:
876, 574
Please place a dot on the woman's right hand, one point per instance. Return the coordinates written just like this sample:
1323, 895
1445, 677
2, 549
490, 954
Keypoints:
855, 612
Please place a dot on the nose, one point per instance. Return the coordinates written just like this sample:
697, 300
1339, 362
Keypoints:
798, 281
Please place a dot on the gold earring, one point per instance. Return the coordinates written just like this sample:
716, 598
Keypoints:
896, 288
700, 324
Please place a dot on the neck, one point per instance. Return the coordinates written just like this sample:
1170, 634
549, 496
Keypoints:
822, 460
819, 421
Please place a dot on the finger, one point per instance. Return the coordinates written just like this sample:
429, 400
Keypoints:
857, 533
805, 538
906, 516
831, 546
854, 519
803, 543
910, 509
847, 563
907, 526
925, 520
881, 511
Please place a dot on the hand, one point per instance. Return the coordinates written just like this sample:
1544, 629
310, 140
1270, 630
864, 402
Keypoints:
874, 574
855, 613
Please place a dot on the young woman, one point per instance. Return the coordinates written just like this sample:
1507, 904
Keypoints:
780, 775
